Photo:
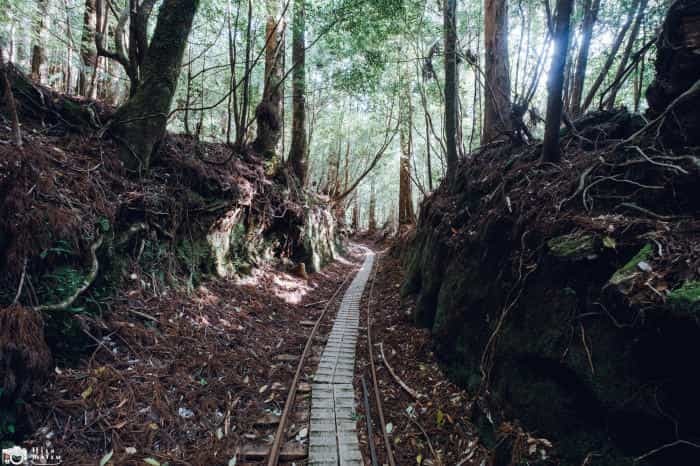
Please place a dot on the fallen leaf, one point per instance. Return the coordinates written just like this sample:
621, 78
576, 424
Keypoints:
87, 392
152, 461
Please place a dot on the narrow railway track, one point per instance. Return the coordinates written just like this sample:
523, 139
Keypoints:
333, 437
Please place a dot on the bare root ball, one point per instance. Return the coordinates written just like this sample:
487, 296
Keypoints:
25, 357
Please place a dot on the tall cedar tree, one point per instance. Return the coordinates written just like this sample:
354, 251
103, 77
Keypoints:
269, 112
297, 150
450, 38
550, 149
406, 215
139, 125
88, 52
41, 27
590, 16
497, 105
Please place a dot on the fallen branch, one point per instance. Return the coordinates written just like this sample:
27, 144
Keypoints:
437, 458
142, 314
63, 305
20, 287
415, 395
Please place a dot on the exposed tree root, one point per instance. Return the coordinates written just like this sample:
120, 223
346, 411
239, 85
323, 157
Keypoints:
65, 304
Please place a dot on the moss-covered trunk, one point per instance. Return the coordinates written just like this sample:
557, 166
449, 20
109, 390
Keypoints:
139, 125
269, 112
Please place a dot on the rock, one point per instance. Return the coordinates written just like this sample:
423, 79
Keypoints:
185, 413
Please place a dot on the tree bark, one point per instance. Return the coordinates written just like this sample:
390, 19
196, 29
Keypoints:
591, 8
550, 150
139, 125
41, 27
297, 150
406, 215
497, 105
88, 52
372, 224
268, 114
450, 38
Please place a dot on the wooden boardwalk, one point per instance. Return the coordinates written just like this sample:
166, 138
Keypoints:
333, 434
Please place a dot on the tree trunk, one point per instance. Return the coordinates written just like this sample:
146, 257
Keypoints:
626, 54
41, 27
269, 112
355, 225
591, 8
297, 150
406, 215
242, 126
88, 53
550, 149
450, 38
497, 106
141, 122
372, 224
610, 60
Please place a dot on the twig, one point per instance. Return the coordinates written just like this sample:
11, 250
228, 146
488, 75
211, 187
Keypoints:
631, 205
663, 447
20, 287
588, 351
142, 314
63, 305
317, 302
437, 458
415, 395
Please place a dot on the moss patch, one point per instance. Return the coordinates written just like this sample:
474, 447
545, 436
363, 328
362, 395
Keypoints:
630, 268
686, 298
573, 246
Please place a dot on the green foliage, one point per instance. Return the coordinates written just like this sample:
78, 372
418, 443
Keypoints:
630, 268
686, 297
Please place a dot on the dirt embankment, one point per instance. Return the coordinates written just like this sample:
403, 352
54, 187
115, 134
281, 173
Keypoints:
94, 261
568, 295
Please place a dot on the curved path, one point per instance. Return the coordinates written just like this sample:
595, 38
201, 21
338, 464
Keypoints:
333, 434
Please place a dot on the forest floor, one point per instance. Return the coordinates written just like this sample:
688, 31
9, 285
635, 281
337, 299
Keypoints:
201, 378
434, 429
195, 384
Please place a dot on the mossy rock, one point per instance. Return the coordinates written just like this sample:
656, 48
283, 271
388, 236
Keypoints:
574, 246
629, 270
686, 298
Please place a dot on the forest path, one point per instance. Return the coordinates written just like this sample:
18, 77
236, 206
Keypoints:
333, 435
